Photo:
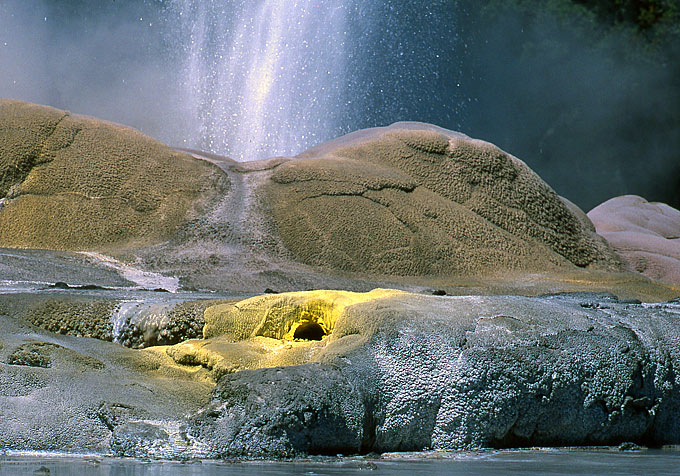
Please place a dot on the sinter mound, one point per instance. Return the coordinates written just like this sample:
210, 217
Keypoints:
406, 200
72, 182
644, 234
414, 199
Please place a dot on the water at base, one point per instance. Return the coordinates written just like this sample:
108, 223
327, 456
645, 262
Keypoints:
580, 462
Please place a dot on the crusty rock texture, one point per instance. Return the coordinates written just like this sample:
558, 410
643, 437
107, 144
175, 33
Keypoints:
406, 201
410, 206
69, 182
407, 372
150, 324
136, 321
414, 199
68, 394
644, 234
82, 318
268, 331
390, 371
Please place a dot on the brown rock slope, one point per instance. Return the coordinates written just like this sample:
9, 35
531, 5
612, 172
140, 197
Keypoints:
646, 235
71, 182
414, 200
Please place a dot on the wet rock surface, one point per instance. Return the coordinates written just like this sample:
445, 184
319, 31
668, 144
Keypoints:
315, 410
165, 325
139, 323
25, 268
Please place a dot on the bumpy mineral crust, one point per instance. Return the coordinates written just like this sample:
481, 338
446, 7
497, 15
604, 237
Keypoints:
414, 199
646, 235
408, 200
402, 372
72, 182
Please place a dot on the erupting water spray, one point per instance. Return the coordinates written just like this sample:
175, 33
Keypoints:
267, 74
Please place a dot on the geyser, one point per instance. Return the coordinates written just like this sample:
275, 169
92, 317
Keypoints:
263, 77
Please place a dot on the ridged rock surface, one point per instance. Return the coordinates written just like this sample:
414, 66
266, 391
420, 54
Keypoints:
69, 182
403, 372
415, 199
320, 372
646, 235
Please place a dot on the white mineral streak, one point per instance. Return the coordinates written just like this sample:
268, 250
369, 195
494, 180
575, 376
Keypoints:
144, 279
8, 286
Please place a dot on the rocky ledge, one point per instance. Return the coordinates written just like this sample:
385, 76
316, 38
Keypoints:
408, 372
331, 372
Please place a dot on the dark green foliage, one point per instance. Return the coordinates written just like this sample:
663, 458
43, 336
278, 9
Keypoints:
644, 14
656, 19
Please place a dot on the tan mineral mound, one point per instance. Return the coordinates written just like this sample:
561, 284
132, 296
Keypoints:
409, 202
414, 200
72, 182
646, 235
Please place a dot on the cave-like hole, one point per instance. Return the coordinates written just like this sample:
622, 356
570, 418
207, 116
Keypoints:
309, 331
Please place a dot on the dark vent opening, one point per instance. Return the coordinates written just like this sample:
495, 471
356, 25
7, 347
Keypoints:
309, 331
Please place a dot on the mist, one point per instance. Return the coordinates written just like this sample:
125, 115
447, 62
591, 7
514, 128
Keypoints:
593, 109
105, 59
595, 119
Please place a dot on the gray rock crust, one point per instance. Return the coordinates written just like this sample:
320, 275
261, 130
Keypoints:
316, 411
405, 372
450, 373
68, 394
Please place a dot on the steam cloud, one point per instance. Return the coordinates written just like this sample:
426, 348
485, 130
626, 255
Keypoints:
100, 58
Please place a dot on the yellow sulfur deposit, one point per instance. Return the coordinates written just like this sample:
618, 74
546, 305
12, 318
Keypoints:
284, 316
271, 330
